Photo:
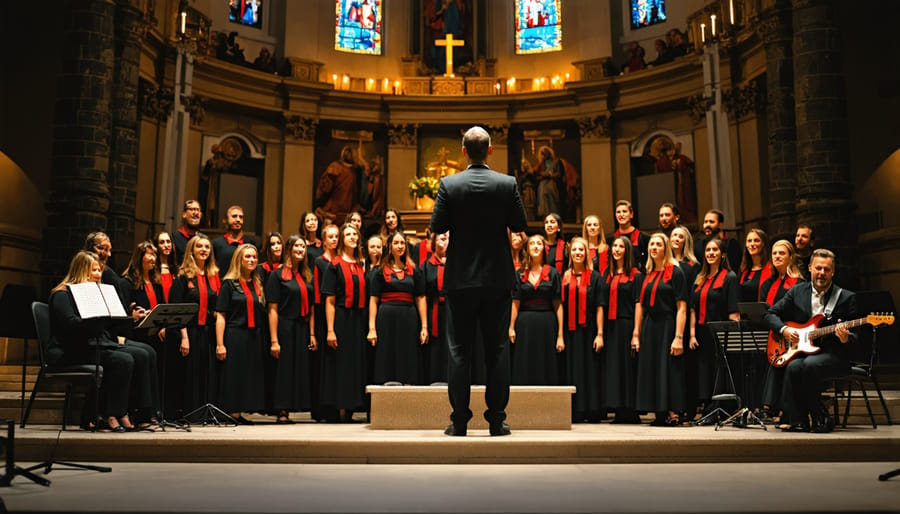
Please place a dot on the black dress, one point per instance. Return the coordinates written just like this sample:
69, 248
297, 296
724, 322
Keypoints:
772, 290
535, 357
320, 267
713, 300
619, 369
557, 256
639, 242
582, 295
200, 384
751, 281
294, 298
167, 355
600, 259
660, 379
241, 373
437, 351
343, 368
397, 351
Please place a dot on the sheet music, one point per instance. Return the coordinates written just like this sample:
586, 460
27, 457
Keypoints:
89, 300
113, 302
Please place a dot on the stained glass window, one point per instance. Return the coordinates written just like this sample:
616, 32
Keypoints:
538, 26
358, 26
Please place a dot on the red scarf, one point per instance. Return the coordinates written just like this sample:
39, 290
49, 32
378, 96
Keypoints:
558, 263
166, 280
716, 282
348, 269
633, 235
388, 271
764, 275
577, 298
436, 261
268, 267
215, 284
187, 233
602, 259
304, 294
545, 275
424, 252
614, 280
251, 318
151, 294
786, 282
665, 275
231, 241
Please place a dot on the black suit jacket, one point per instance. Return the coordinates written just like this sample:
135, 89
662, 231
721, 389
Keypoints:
796, 306
477, 206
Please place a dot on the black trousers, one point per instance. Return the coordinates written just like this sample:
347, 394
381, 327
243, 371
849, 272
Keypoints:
491, 307
805, 378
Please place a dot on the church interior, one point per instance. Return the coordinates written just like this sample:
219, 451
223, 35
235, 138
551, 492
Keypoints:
777, 112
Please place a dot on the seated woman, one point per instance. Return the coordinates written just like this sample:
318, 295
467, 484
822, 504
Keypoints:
129, 367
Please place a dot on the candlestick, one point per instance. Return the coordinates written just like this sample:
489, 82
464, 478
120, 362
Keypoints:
183, 22
731, 11
712, 24
703, 33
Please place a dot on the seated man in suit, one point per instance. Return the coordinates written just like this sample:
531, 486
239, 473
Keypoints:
806, 375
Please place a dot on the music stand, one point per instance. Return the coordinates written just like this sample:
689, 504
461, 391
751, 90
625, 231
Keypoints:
12, 471
716, 327
167, 315
15, 311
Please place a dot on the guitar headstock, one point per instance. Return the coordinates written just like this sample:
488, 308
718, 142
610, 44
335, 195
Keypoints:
880, 318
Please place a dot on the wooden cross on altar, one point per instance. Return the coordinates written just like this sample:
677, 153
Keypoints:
449, 43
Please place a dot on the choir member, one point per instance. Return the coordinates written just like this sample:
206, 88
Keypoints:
517, 248
354, 218
714, 298
99, 243
592, 231
272, 255
128, 366
683, 250
659, 322
624, 219
555, 252
582, 306
714, 228
755, 267
535, 325
344, 289
437, 351
392, 223
191, 214
166, 265
397, 322
619, 373
225, 245
197, 282
309, 229
240, 314
321, 266
785, 275
804, 242
420, 251
669, 216
289, 293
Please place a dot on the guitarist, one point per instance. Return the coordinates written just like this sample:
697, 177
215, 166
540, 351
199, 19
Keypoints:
805, 376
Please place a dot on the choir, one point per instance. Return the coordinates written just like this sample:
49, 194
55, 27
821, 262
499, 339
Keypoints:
305, 322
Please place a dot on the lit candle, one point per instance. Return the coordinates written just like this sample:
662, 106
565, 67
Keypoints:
731, 10
385, 84
334, 80
712, 25
370, 85
396, 87
497, 88
511, 85
183, 22
703, 32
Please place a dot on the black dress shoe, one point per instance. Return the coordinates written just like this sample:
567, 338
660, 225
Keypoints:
501, 428
823, 424
797, 427
454, 430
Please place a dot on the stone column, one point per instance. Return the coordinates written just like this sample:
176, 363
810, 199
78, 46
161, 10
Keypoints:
298, 186
401, 162
124, 135
499, 158
79, 194
824, 190
597, 154
775, 29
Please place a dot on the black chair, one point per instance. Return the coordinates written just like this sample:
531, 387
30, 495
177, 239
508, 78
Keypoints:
69, 374
860, 373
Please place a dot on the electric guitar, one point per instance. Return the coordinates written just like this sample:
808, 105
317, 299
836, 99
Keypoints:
780, 352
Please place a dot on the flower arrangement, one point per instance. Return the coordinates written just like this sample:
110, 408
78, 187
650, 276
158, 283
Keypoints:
424, 186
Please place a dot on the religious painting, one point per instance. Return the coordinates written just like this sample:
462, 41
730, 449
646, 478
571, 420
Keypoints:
440, 152
447, 23
538, 26
358, 26
232, 174
546, 161
245, 12
663, 170
647, 12
350, 171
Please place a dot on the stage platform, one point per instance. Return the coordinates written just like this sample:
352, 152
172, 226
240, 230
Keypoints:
356, 443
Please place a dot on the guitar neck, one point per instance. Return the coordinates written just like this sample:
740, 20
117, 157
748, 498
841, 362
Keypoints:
824, 331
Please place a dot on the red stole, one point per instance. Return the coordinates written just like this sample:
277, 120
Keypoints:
151, 294
717, 282
304, 294
424, 252
634, 235
231, 241
786, 282
764, 275
400, 274
268, 267
558, 259
575, 295
251, 318
348, 269
436, 261
655, 276
166, 280
186, 233
545, 275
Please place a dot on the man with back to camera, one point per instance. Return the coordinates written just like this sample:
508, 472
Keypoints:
805, 376
477, 206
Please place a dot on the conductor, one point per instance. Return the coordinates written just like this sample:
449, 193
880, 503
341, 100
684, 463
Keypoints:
477, 206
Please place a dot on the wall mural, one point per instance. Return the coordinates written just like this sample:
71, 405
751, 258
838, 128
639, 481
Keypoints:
546, 162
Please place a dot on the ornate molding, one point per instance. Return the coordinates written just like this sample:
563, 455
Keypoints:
593, 127
448, 87
499, 133
300, 128
749, 99
195, 105
697, 106
155, 102
403, 134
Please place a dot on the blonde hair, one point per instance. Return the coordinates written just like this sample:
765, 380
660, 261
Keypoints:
792, 269
688, 248
601, 238
357, 252
234, 269
79, 269
667, 256
189, 267
588, 262
528, 258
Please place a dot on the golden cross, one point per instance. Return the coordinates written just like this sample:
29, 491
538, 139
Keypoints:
449, 43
